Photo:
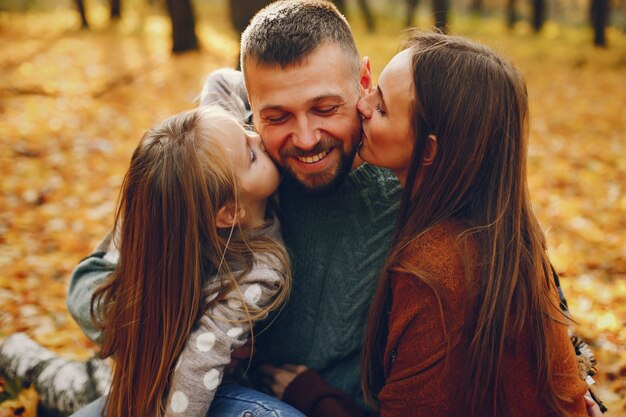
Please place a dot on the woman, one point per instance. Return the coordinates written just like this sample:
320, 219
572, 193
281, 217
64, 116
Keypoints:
465, 320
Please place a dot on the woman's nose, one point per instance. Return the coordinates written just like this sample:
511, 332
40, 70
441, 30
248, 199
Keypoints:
364, 106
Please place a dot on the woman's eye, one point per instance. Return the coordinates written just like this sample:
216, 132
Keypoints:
252, 155
380, 110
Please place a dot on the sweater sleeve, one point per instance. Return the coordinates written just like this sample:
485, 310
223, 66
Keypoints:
424, 367
221, 329
312, 395
417, 382
87, 276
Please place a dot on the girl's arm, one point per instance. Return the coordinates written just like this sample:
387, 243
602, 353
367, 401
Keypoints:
220, 330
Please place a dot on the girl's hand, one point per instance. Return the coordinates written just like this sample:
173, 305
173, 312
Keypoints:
277, 379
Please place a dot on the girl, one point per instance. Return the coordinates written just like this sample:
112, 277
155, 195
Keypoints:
199, 262
200, 259
466, 319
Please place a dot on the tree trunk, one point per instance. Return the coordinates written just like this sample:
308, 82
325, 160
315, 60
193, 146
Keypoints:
341, 5
183, 26
599, 14
440, 10
80, 5
539, 14
370, 24
476, 7
241, 11
411, 5
115, 9
511, 14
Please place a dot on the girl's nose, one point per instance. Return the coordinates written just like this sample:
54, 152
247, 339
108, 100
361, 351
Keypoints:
255, 140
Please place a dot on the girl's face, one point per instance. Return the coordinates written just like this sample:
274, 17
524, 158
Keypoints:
387, 138
256, 173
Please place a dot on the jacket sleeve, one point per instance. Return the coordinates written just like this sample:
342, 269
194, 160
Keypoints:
312, 395
87, 276
419, 372
221, 329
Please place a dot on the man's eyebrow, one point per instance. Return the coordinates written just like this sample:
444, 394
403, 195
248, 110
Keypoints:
309, 102
270, 107
325, 97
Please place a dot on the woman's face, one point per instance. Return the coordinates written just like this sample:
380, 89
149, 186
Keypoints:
387, 138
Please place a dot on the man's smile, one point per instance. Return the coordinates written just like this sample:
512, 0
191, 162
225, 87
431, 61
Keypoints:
314, 158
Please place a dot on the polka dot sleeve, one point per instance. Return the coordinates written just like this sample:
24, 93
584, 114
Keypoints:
200, 366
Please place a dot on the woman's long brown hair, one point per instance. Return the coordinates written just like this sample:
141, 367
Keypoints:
475, 103
169, 244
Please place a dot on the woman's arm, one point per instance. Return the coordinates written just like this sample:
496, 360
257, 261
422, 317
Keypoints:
422, 378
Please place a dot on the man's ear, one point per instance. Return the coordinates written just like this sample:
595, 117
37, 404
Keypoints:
228, 216
365, 76
430, 150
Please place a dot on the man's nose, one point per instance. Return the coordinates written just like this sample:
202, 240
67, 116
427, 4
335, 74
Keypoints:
305, 135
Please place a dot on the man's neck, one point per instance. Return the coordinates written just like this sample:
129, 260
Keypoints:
357, 162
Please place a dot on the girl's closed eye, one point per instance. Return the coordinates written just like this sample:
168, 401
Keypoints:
252, 155
379, 110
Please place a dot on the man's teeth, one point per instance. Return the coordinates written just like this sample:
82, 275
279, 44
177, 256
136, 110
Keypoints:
314, 158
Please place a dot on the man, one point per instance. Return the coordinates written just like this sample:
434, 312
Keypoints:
304, 79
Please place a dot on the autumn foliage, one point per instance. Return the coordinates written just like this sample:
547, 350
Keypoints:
73, 105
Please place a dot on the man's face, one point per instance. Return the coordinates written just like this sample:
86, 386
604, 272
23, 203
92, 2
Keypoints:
306, 115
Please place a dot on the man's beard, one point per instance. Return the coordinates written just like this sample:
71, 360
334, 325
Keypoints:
322, 182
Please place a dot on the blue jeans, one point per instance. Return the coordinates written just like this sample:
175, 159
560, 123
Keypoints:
230, 401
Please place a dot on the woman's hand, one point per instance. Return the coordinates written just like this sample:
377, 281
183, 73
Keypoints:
593, 409
277, 379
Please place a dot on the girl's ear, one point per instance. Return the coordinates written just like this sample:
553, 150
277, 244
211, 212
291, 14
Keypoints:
228, 216
365, 76
430, 151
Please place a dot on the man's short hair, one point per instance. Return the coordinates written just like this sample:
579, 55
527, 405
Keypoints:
285, 32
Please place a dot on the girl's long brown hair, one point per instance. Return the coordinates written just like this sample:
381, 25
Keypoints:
169, 245
475, 103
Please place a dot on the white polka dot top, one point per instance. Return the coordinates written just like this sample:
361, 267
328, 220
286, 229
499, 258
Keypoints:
221, 329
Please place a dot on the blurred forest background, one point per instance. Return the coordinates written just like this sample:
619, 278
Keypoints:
76, 94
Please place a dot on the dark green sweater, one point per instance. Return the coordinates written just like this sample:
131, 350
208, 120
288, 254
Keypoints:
338, 244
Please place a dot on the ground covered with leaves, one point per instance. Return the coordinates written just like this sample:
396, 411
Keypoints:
73, 105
